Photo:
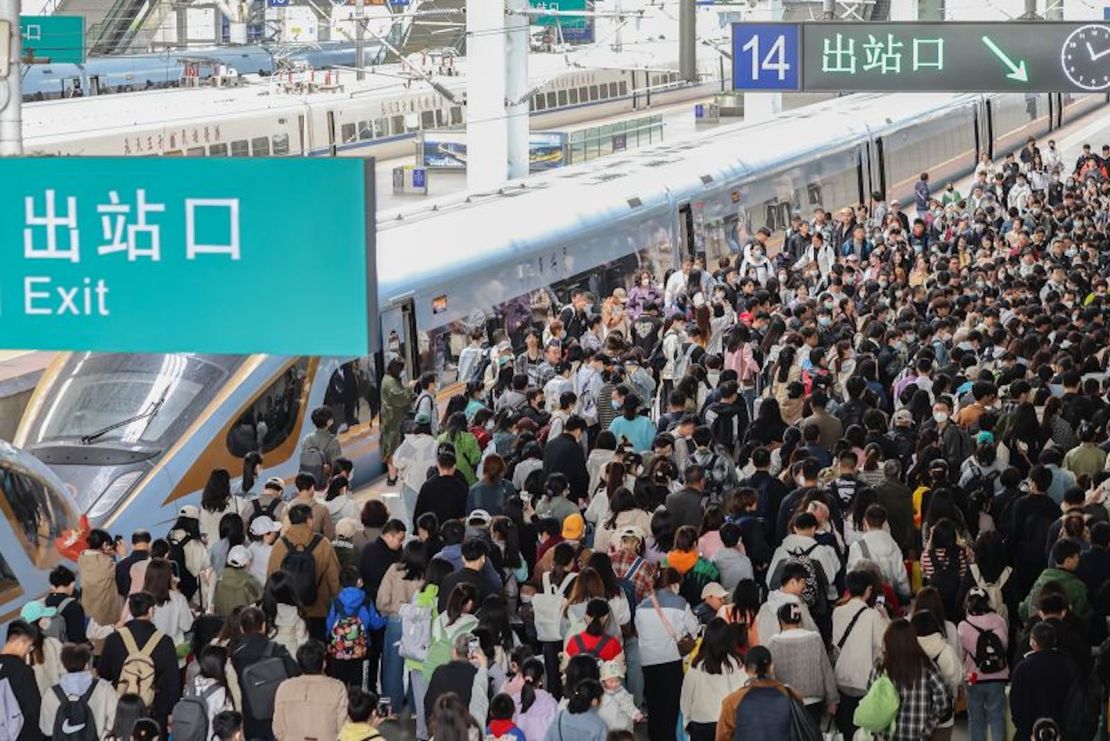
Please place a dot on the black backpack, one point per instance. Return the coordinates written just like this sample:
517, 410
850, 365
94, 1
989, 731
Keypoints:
726, 425
74, 721
980, 488
300, 565
260, 681
990, 654
187, 581
257, 510
816, 591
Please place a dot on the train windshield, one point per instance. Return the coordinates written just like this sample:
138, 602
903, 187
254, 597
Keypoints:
106, 399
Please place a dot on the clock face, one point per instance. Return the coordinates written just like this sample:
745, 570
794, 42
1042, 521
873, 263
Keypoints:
1085, 57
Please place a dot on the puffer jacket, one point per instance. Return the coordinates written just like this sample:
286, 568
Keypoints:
657, 646
289, 630
879, 547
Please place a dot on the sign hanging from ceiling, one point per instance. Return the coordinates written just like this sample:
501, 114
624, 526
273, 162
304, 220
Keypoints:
155, 255
922, 57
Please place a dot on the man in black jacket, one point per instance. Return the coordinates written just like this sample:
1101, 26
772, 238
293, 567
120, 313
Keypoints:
62, 585
376, 559
140, 551
1033, 515
252, 647
167, 677
14, 668
442, 494
1040, 682
564, 454
465, 671
474, 554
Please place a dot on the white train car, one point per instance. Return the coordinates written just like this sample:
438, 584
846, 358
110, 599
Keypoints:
482, 259
380, 116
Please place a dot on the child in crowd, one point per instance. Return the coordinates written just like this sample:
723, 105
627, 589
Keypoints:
501, 726
618, 709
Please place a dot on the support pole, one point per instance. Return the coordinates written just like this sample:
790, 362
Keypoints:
487, 141
11, 95
516, 88
360, 38
688, 40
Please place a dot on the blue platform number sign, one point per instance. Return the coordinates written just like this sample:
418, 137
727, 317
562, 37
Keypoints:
765, 56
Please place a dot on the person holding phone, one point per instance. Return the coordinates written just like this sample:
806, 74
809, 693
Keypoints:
365, 712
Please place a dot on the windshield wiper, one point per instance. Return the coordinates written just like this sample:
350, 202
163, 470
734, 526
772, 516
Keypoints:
148, 414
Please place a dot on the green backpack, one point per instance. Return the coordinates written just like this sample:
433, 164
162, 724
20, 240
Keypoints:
878, 709
439, 652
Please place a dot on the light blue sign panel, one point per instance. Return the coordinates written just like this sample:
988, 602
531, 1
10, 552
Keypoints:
188, 255
57, 38
766, 56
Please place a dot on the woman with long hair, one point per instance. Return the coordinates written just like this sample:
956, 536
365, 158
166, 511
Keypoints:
193, 563
252, 471
129, 710
338, 499
943, 565
1024, 437
491, 491
171, 613
742, 611
536, 707
624, 512
767, 707
946, 660
396, 399
923, 697
986, 696
97, 567
232, 532
215, 502
467, 453
210, 684
451, 720
285, 616
399, 586
768, 427
716, 671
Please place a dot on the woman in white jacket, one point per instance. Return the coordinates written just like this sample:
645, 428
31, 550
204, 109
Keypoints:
413, 459
716, 672
931, 638
662, 620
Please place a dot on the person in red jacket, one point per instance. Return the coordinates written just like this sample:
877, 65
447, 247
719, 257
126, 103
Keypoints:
595, 640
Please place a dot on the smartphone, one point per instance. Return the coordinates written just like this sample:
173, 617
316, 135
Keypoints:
385, 707
880, 601
473, 646
526, 498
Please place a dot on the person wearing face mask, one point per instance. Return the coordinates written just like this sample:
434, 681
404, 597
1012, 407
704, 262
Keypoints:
643, 294
954, 442
756, 263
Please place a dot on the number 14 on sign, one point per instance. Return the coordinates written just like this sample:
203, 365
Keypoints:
765, 56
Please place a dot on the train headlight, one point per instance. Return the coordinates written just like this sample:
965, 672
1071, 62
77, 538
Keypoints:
111, 496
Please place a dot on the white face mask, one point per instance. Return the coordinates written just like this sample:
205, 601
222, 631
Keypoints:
940, 417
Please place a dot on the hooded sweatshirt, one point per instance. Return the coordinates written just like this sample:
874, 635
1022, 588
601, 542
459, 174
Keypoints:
352, 601
102, 703
767, 620
879, 547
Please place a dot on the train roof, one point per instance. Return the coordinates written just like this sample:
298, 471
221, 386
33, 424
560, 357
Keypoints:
45, 121
469, 232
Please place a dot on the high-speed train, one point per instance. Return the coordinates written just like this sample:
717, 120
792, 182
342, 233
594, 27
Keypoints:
483, 260
380, 116
123, 73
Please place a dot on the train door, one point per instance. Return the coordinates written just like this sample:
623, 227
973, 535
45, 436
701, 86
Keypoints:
687, 245
990, 129
862, 181
399, 335
95, 85
1053, 107
331, 133
978, 133
878, 168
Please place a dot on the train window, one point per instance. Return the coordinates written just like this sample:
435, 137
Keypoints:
551, 100
365, 131
562, 98
573, 96
623, 87
272, 418
281, 144
240, 148
456, 115
538, 102
612, 89
381, 127
217, 150
398, 124
441, 118
260, 146
427, 120
172, 153
194, 152
593, 92
36, 513
603, 91
348, 133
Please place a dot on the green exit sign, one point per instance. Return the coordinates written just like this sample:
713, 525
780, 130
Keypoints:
53, 38
581, 21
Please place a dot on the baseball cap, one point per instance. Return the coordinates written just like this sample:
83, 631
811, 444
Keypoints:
631, 532
903, 417
423, 418
239, 557
713, 589
479, 515
347, 527
611, 669
574, 527
275, 482
264, 524
34, 611
190, 511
